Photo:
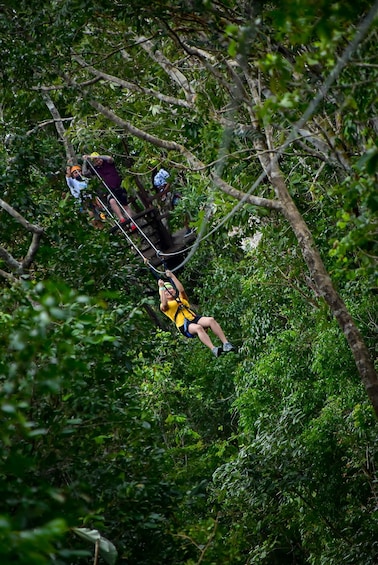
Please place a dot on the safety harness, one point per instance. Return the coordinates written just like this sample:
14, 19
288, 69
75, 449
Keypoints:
180, 308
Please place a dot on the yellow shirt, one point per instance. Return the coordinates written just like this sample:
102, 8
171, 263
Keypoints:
173, 306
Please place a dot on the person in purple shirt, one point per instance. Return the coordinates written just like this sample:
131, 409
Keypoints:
117, 198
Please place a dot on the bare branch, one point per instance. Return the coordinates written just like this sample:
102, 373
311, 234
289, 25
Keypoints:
17, 266
8, 276
32, 251
20, 219
196, 163
131, 86
47, 123
70, 152
175, 74
12, 263
62, 86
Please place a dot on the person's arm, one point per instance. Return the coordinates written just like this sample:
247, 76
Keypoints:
86, 170
167, 188
159, 195
163, 299
178, 285
69, 177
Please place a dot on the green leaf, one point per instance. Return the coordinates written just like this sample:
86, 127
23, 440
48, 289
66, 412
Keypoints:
107, 550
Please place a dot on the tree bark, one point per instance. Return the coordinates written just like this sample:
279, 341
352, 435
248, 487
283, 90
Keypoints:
70, 152
19, 267
325, 288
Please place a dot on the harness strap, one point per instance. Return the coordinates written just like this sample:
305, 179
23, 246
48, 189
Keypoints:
181, 307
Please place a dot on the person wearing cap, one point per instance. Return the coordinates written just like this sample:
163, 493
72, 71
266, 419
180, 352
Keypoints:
177, 308
75, 181
105, 168
78, 185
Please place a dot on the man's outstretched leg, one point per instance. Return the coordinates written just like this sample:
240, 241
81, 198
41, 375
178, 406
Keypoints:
211, 323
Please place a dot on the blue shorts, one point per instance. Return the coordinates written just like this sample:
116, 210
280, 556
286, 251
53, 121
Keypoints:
184, 329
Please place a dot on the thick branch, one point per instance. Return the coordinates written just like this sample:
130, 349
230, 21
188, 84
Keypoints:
194, 162
20, 219
70, 152
32, 251
323, 282
14, 265
8, 276
10, 261
132, 86
251, 199
173, 72
311, 255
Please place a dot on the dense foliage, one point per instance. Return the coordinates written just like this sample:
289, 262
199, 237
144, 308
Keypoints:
117, 424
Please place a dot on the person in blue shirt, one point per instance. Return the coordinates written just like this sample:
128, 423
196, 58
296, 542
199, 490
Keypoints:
161, 184
76, 182
78, 185
163, 193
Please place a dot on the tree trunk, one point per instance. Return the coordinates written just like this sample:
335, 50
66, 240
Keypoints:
325, 288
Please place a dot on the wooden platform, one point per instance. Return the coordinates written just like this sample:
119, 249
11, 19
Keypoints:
158, 238
179, 246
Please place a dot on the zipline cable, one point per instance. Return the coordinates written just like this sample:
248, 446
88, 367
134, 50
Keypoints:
157, 251
219, 166
109, 212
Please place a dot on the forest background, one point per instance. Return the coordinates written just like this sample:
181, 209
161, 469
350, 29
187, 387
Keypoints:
120, 440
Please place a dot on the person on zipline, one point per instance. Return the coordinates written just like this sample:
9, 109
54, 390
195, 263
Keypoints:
118, 200
177, 308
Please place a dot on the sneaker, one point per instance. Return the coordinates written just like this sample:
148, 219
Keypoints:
228, 347
123, 221
133, 227
217, 351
